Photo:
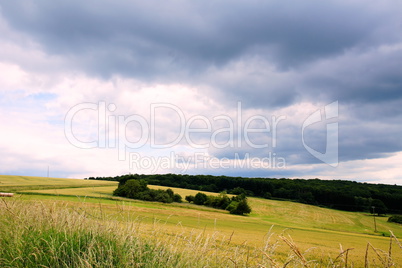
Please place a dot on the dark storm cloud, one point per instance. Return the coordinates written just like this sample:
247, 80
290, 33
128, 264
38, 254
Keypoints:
147, 39
372, 76
183, 41
363, 134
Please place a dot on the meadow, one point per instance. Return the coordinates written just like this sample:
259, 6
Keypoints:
148, 234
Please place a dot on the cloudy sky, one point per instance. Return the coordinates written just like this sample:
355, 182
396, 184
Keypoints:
307, 89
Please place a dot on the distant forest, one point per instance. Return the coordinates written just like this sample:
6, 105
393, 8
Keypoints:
337, 194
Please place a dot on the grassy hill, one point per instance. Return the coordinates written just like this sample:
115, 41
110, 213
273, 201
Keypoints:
274, 233
18, 183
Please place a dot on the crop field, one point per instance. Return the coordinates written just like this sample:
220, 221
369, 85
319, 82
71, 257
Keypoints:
18, 183
275, 233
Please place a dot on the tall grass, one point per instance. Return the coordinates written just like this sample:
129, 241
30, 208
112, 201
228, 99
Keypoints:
36, 234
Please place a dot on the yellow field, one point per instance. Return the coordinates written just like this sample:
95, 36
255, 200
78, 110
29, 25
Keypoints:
317, 232
14, 183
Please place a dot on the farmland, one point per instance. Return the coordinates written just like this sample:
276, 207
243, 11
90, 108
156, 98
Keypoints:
277, 229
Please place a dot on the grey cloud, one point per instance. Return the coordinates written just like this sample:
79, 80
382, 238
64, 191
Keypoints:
374, 76
190, 36
183, 42
359, 138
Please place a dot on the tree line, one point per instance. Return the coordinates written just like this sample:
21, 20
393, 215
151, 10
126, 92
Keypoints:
337, 194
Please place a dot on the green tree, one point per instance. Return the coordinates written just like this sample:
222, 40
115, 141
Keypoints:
200, 199
190, 198
241, 208
132, 188
177, 198
138, 189
223, 200
232, 206
170, 192
163, 196
238, 190
378, 207
362, 204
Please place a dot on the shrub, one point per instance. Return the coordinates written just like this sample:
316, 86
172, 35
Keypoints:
200, 199
177, 198
239, 208
267, 195
236, 205
190, 198
138, 189
232, 206
396, 219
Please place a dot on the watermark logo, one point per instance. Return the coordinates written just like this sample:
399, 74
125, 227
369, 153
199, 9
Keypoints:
203, 161
330, 156
152, 146
112, 129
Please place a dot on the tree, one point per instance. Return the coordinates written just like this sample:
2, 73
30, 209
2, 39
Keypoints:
170, 192
232, 206
267, 195
238, 190
177, 198
363, 204
190, 198
163, 196
378, 207
200, 199
223, 200
239, 207
132, 188
138, 189
243, 207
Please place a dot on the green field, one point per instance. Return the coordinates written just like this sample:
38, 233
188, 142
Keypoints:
319, 235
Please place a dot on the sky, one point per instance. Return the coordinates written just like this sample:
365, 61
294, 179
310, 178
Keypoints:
277, 89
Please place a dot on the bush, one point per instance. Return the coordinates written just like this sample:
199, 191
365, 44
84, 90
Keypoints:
232, 206
221, 201
239, 208
190, 198
138, 189
396, 219
177, 198
380, 208
236, 205
200, 199
267, 195
162, 196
